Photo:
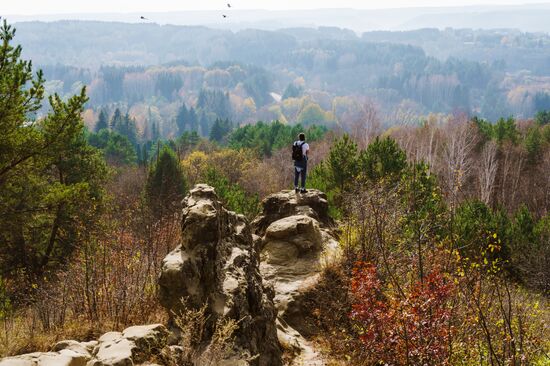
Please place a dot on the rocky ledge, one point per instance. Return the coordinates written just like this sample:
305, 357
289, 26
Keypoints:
296, 238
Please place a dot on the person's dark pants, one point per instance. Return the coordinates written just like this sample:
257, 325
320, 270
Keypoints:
302, 166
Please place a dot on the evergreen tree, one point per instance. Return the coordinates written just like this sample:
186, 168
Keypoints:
51, 179
233, 195
139, 155
116, 120
543, 117
342, 163
167, 84
155, 133
187, 120
153, 121
523, 229
202, 102
484, 127
424, 217
215, 102
506, 129
187, 141
129, 129
533, 144
382, 158
117, 148
182, 119
336, 175
102, 122
166, 185
267, 137
113, 78
216, 132
477, 227
145, 154
258, 86
220, 129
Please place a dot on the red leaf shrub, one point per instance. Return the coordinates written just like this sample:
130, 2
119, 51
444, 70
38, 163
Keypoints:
410, 326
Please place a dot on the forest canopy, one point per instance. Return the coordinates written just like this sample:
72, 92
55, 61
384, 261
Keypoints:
322, 76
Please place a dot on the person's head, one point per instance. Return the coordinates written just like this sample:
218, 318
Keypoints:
302, 136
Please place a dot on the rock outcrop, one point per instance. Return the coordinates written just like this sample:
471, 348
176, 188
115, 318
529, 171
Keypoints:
134, 346
287, 203
255, 274
295, 235
218, 265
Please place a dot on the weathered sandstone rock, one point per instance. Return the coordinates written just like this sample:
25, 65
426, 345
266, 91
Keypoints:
295, 235
218, 265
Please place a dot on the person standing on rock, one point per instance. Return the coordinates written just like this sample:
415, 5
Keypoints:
300, 154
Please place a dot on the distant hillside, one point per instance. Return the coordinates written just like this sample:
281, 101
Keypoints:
513, 49
94, 43
527, 20
322, 74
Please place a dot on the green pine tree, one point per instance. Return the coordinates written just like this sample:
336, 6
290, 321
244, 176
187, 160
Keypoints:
182, 119
116, 120
51, 179
543, 117
342, 163
220, 129
166, 185
117, 149
102, 121
382, 158
533, 144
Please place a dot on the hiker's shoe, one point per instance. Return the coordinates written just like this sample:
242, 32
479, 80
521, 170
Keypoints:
296, 190
303, 190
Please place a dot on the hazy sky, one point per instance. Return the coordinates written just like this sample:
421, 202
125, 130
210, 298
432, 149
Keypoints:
24, 7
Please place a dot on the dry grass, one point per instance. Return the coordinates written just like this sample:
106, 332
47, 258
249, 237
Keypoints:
222, 344
24, 333
196, 345
191, 324
108, 284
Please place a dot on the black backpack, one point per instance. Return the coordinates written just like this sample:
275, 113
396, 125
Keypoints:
297, 153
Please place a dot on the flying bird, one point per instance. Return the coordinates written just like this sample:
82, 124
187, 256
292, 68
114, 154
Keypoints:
228, 5
223, 15
143, 18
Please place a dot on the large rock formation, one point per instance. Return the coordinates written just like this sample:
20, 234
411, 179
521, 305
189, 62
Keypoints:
295, 235
218, 265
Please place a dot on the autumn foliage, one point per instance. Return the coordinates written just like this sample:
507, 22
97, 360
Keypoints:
402, 328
